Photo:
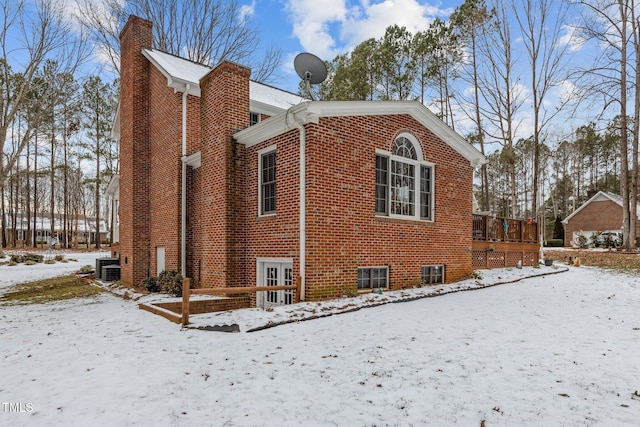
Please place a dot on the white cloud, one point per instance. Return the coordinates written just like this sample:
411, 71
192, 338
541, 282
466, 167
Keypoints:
330, 27
247, 10
571, 38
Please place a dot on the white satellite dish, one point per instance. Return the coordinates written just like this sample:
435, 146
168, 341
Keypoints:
310, 68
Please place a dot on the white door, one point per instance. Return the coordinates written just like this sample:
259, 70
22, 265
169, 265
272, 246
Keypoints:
276, 274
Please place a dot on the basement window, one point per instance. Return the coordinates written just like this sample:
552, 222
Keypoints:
432, 274
373, 278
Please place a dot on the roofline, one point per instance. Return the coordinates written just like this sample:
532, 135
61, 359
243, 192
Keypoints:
178, 85
604, 193
312, 111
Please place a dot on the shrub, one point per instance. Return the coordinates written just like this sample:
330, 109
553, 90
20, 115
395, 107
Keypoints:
15, 258
30, 262
2, 255
554, 243
170, 282
582, 241
85, 269
50, 261
59, 257
151, 284
27, 257
12, 263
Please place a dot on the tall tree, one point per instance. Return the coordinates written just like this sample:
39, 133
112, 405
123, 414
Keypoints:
499, 87
99, 104
611, 23
206, 32
469, 19
32, 32
397, 64
541, 26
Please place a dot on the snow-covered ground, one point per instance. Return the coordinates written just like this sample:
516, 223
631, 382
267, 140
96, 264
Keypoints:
555, 350
21, 273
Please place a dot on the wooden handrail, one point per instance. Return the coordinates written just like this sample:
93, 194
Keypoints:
187, 292
241, 289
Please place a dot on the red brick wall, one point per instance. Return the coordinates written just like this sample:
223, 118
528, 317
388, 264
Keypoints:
343, 232
273, 236
596, 216
166, 171
224, 109
134, 151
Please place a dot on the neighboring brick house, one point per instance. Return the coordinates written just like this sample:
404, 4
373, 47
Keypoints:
346, 196
602, 212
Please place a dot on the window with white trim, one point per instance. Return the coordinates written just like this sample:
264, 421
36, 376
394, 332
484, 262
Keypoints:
267, 186
254, 118
373, 278
404, 182
432, 274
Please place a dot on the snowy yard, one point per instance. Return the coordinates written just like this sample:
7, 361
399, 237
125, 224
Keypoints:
555, 350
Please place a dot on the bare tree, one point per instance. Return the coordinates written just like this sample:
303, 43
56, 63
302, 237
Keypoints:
38, 35
469, 19
498, 84
541, 26
206, 32
611, 24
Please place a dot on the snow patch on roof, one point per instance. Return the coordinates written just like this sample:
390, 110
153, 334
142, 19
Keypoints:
180, 72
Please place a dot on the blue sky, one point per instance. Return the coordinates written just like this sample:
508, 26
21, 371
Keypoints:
327, 28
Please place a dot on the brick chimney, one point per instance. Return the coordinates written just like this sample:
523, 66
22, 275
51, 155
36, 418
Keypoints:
224, 109
134, 151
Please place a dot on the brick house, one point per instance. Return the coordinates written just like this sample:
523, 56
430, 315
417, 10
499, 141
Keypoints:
346, 196
602, 212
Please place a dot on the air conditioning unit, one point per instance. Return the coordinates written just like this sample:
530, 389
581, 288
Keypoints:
110, 273
102, 262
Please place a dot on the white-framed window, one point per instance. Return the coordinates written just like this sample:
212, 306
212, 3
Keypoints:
373, 278
254, 118
432, 274
267, 181
404, 182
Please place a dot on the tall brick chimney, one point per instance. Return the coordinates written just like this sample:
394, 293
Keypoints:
134, 151
224, 109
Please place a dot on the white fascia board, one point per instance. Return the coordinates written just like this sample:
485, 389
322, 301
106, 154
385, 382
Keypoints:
311, 111
274, 126
176, 83
114, 185
599, 195
584, 205
262, 108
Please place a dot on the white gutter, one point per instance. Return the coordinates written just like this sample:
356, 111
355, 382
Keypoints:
183, 216
303, 205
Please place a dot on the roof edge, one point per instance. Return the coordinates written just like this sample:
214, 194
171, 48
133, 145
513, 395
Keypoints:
311, 111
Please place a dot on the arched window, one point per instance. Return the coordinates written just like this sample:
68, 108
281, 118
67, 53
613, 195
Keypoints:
404, 183
404, 148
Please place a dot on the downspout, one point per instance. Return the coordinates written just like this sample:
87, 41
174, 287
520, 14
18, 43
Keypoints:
183, 216
303, 207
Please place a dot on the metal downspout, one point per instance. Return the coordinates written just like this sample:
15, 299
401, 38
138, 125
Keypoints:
303, 208
183, 215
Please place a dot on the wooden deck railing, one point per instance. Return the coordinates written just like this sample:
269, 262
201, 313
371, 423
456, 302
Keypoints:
187, 292
490, 228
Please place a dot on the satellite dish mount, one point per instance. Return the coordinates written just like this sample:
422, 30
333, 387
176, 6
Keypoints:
311, 70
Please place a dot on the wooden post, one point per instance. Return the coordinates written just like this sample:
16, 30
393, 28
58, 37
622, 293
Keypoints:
186, 290
298, 288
